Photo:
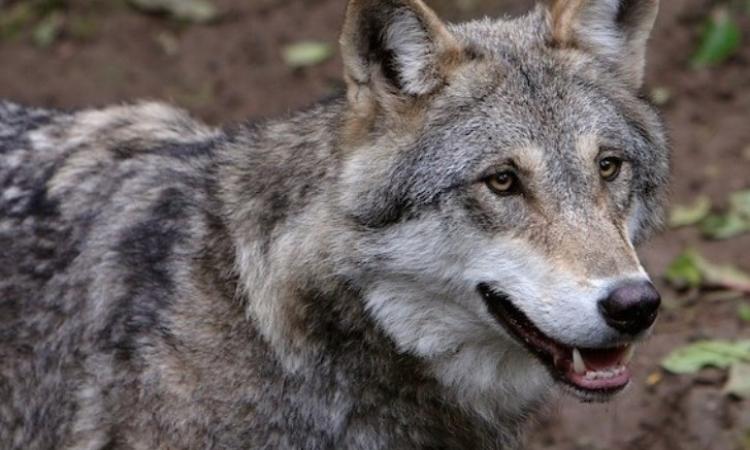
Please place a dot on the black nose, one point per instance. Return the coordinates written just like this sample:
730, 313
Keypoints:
631, 307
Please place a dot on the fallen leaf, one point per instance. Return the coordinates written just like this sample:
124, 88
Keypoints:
744, 312
168, 43
734, 222
722, 296
684, 272
724, 276
720, 40
48, 30
197, 11
740, 204
306, 53
696, 356
654, 378
726, 226
691, 270
738, 383
661, 95
686, 215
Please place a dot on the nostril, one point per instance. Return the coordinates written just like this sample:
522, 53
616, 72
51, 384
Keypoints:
631, 307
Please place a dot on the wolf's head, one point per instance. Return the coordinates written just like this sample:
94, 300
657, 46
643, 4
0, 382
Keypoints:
498, 175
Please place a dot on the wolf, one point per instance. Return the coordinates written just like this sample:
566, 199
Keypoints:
420, 262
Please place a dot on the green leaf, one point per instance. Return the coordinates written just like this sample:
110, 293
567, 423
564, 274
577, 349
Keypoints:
197, 11
661, 95
684, 271
48, 30
686, 215
696, 356
739, 203
720, 40
734, 222
724, 226
744, 312
691, 270
306, 53
738, 383
724, 276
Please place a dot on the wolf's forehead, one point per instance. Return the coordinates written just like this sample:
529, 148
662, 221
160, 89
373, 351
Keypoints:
494, 34
530, 107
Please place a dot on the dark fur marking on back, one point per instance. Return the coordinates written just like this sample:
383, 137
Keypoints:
145, 252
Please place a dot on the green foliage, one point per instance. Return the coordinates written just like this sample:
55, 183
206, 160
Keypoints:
684, 271
738, 383
715, 225
195, 11
743, 311
701, 354
306, 53
720, 40
47, 31
691, 270
692, 214
734, 222
20, 16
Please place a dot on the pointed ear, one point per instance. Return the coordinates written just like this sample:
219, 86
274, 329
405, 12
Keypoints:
616, 30
399, 45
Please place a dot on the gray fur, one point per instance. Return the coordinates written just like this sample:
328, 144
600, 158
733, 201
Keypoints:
164, 284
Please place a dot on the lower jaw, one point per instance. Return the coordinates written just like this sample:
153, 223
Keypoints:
595, 389
588, 385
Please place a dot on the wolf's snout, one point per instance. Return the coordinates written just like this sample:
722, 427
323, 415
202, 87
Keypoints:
631, 307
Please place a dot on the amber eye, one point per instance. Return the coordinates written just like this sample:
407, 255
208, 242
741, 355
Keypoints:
503, 183
609, 168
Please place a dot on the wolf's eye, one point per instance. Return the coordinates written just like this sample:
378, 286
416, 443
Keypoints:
609, 168
503, 183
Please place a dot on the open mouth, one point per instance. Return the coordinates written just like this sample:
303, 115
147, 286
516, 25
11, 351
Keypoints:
593, 373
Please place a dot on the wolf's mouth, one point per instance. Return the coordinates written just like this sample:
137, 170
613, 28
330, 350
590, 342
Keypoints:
593, 373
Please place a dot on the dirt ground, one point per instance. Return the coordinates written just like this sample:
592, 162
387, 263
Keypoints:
233, 70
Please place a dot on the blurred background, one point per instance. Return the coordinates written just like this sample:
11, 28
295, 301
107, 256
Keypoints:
232, 60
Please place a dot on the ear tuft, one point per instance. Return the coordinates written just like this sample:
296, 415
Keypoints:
410, 46
403, 41
615, 30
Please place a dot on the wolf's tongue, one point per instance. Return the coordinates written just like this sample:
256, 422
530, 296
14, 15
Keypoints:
601, 359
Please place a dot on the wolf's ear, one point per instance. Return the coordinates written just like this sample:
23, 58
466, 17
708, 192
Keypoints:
397, 43
616, 30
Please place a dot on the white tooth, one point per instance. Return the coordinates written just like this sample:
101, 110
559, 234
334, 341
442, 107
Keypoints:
578, 365
628, 356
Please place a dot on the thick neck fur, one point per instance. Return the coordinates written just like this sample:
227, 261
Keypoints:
278, 186
273, 181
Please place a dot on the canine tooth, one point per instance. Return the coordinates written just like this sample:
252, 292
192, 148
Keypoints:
578, 365
628, 354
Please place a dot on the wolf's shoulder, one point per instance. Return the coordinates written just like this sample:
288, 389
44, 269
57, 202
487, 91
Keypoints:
83, 158
142, 124
139, 126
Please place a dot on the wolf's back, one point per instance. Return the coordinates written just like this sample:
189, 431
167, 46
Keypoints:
95, 208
